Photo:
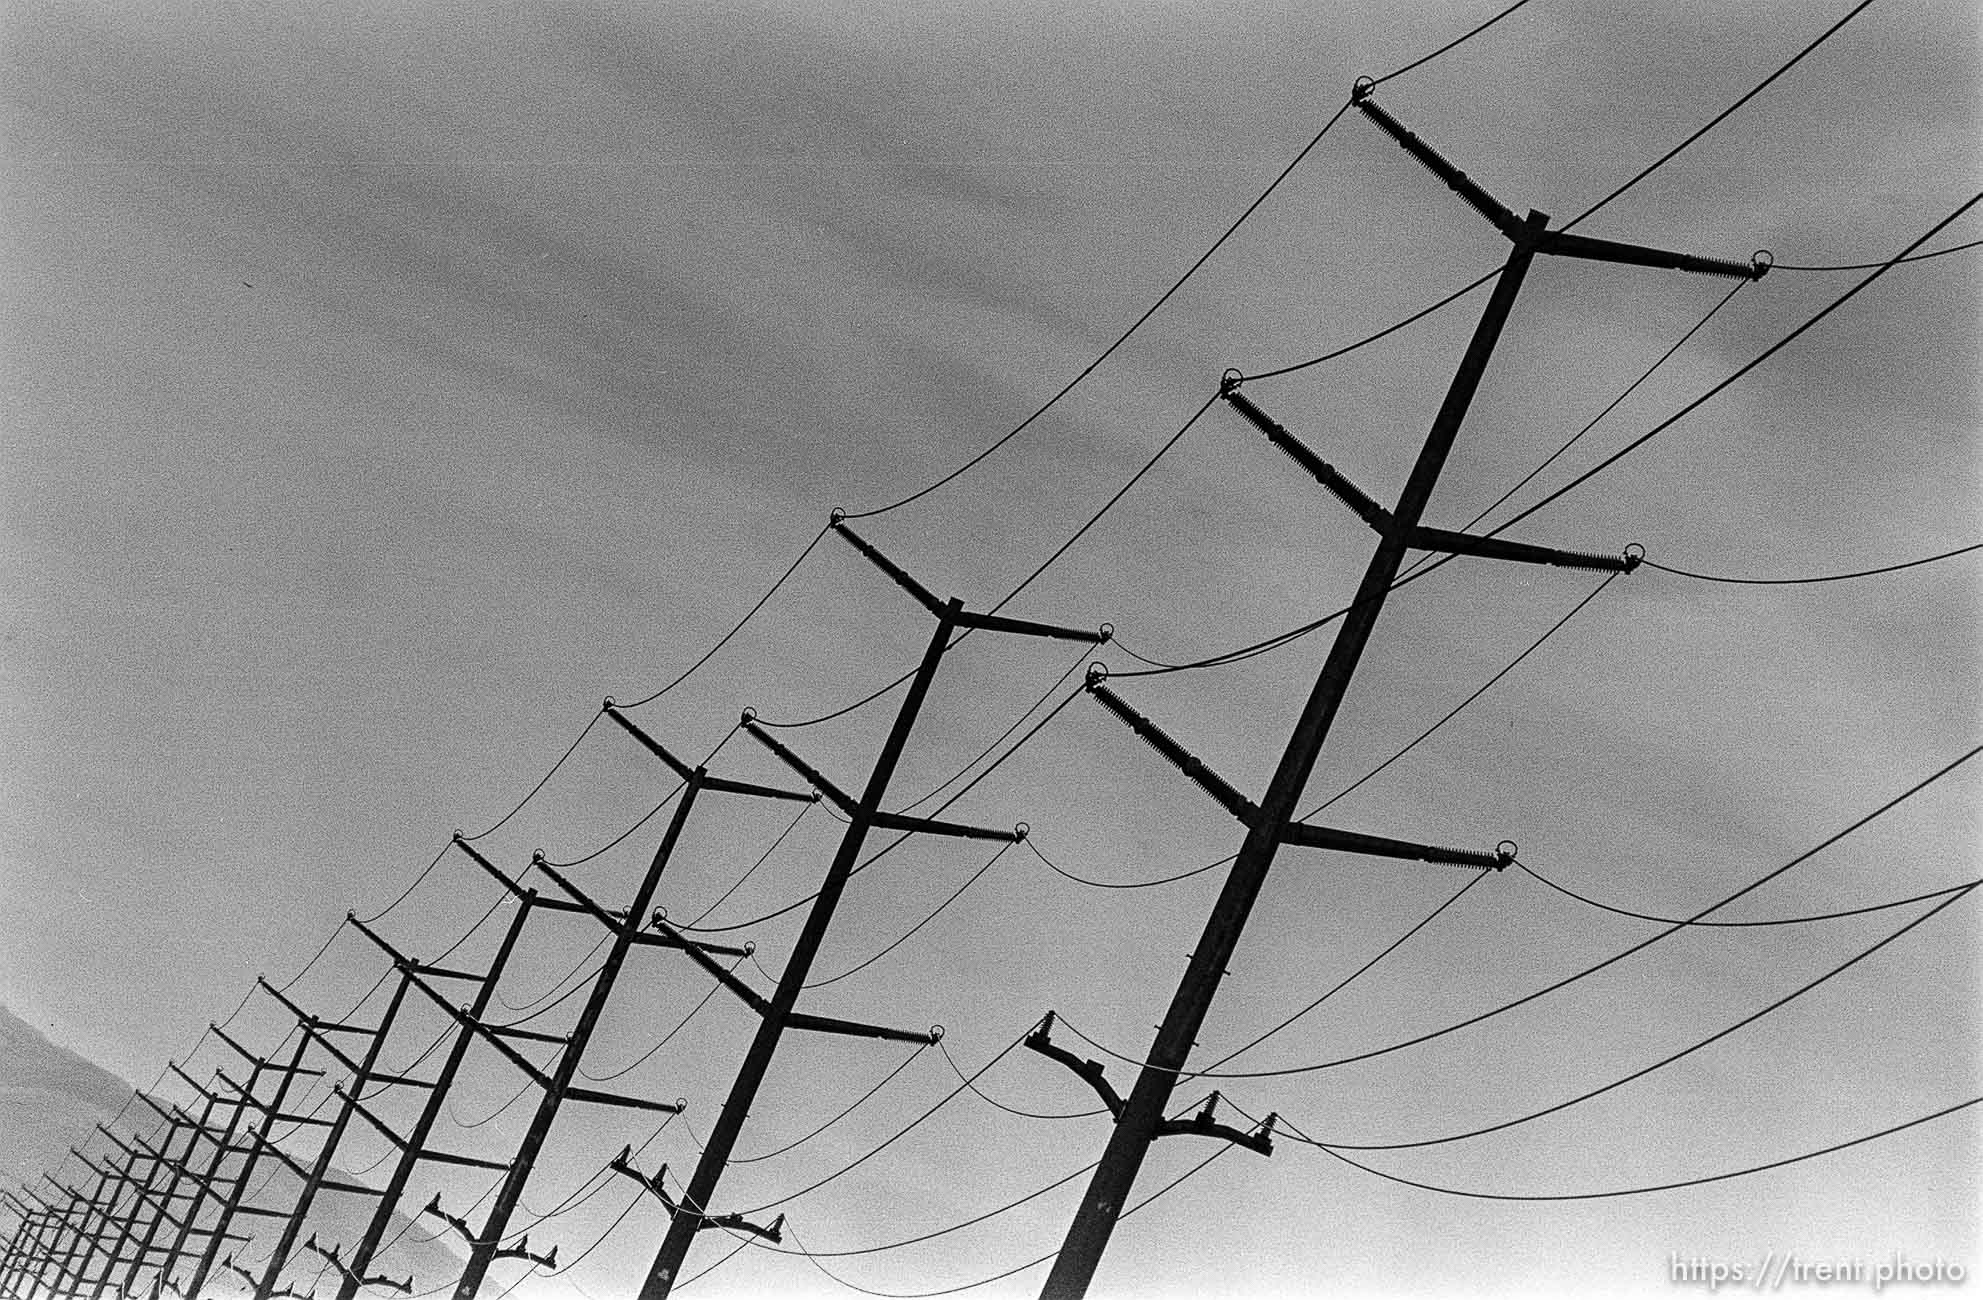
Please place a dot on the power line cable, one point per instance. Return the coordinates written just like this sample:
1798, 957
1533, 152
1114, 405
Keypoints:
1122, 338
905, 1064
640, 1060
1831, 577
1449, 45
1761, 357
1659, 1187
996, 1104
1867, 266
860, 966
1768, 921
1722, 116
1664, 1061
1567, 980
736, 628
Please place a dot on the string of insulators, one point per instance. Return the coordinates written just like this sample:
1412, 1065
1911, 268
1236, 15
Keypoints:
1153, 735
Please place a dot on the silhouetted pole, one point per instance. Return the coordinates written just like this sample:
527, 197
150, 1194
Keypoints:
416, 1139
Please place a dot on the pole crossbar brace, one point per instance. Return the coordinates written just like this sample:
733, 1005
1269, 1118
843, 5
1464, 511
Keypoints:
486, 1033
699, 955
623, 1164
1558, 242
1292, 832
886, 820
345, 1270
515, 888
1418, 536
964, 617
1091, 1072
685, 772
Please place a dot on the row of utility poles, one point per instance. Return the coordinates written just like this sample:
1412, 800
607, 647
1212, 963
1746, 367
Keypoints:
165, 1213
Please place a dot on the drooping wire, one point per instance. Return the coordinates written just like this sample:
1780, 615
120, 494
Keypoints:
1124, 884
886, 1079
1567, 980
640, 1060
1867, 266
761, 860
1110, 504
891, 1140
860, 966
1720, 117
1122, 338
1449, 45
1017, 722
1387, 331
816, 1256
1830, 577
996, 1104
503, 821
1664, 1061
532, 1004
736, 628
1768, 921
1641, 1191
1761, 357
1345, 982
623, 836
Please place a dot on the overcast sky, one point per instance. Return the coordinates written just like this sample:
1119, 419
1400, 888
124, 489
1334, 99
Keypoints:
385, 385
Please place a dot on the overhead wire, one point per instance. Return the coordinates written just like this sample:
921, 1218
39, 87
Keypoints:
1720, 117
1670, 1058
1645, 1190
851, 1108
910, 933
1567, 980
1867, 266
1829, 577
1765, 922
640, 1060
1122, 338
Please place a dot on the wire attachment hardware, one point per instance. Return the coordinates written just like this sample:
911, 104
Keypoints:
345, 1270
655, 1183
1261, 1139
521, 1250
1090, 1071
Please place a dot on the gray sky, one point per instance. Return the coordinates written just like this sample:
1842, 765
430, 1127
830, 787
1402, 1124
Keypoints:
387, 384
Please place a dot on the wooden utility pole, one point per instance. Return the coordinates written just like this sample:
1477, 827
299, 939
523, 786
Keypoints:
1141, 1119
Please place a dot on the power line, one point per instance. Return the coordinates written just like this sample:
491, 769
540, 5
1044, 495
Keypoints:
1567, 980
1664, 1061
851, 1108
1769, 921
1122, 338
1658, 1187
1867, 266
1831, 577
1720, 117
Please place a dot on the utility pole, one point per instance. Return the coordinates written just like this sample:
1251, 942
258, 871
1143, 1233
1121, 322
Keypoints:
363, 1071
205, 1180
258, 1141
558, 1081
413, 1146
1140, 1120
691, 1214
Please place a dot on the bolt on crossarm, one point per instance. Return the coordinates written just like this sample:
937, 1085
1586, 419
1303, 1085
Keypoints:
1141, 1117
691, 1213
